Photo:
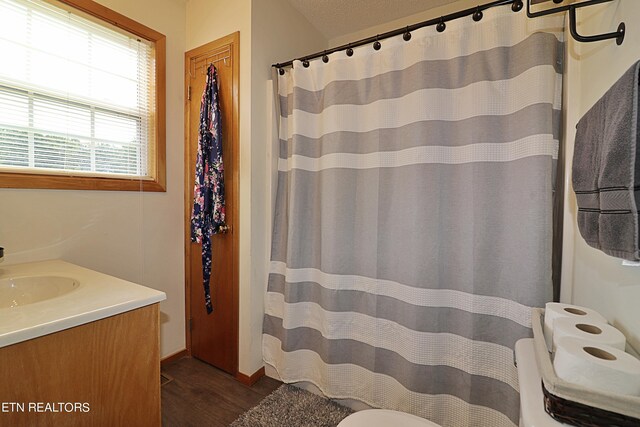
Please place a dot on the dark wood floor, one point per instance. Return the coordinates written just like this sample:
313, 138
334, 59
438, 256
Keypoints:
201, 395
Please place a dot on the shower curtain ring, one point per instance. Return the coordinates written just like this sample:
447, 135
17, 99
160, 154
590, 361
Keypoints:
325, 58
477, 15
441, 25
349, 50
407, 35
517, 6
377, 44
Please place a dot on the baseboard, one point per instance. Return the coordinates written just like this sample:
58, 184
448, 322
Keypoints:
173, 357
250, 380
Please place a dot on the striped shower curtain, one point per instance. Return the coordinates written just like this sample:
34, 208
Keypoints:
413, 218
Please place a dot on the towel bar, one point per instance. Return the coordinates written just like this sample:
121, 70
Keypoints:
618, 34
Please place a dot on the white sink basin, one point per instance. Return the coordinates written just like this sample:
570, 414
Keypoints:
20, 291
72, 296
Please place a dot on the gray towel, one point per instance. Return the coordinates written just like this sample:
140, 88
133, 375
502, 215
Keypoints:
606, 170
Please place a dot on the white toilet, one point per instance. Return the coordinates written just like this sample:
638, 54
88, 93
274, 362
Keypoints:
384, 418
532, 413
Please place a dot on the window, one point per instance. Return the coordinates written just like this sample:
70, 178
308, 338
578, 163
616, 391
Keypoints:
81, 98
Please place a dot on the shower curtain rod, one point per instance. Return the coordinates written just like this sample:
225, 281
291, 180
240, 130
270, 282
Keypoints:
476, 12
516, 6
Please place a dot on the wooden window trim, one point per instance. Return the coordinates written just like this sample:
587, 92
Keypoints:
67, 181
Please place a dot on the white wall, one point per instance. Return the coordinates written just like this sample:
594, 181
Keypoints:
135, 236
407, 20
270, 31
592, 278
279, 33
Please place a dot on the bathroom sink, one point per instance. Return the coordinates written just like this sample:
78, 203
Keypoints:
20, 291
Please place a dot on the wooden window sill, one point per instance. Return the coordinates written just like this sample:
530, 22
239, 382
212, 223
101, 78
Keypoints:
65, 182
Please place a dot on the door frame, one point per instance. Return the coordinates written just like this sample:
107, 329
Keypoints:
232, 42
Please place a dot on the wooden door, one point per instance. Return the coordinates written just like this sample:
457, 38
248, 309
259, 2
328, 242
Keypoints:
213, 337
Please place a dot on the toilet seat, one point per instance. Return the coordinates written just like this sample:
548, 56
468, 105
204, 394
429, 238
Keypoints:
384, 418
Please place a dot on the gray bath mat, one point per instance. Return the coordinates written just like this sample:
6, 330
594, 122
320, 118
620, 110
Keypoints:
293, 407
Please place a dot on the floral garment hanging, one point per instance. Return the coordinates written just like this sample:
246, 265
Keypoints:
207, 217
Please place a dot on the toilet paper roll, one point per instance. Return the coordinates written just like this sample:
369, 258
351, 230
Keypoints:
595, 366
596, 333
556, 310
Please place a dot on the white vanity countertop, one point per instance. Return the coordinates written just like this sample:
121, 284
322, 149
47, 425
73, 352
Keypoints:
97, 297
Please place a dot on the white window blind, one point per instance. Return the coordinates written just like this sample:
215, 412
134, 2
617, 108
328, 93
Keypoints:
76, 97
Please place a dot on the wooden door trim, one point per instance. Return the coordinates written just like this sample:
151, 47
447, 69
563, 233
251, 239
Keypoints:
232, 41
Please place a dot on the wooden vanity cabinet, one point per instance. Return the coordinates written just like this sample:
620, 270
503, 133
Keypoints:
103, 373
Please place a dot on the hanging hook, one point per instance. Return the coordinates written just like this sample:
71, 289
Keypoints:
477, 15
441, 25
407, 35
377, 44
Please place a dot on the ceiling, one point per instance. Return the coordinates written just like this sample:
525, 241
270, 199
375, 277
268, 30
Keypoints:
334, 18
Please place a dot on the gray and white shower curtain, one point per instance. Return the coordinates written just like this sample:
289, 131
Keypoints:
413, 220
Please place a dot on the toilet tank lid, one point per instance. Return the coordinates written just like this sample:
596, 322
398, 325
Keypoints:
384, 418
